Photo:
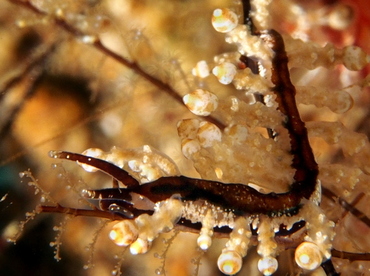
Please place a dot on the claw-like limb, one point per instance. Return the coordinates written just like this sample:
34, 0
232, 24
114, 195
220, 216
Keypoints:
106, 167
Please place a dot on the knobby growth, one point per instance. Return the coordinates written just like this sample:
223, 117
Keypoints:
264, 183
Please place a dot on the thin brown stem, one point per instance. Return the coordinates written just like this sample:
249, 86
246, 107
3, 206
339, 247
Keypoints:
303, 158
351, 256
97, 44
347, 206
247, 19
78, 212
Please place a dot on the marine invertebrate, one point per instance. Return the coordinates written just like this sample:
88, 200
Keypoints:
204, 142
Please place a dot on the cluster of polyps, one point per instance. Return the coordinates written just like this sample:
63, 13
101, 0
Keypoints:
317, 243
140, 232
301, 54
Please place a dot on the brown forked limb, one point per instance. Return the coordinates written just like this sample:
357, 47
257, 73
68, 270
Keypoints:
303, 159
104, 166
238, 198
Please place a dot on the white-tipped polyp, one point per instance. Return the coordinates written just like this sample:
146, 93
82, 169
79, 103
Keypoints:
267, 265
230, 262
124, 233
140, 246
204, 242
308, 256
225, 72
201, 102
224, 20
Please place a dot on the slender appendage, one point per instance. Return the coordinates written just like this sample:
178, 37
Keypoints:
349, 207
303, 159
104, 166
350, 255
78, 212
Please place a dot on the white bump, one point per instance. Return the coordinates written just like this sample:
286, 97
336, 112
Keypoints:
224, 20
189, 147
140, 246
354, 58
267, 265
225, 72
208, 134
229, 262
124, 233
204, 242
188, 128
308, 256
201, 102
201, 70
